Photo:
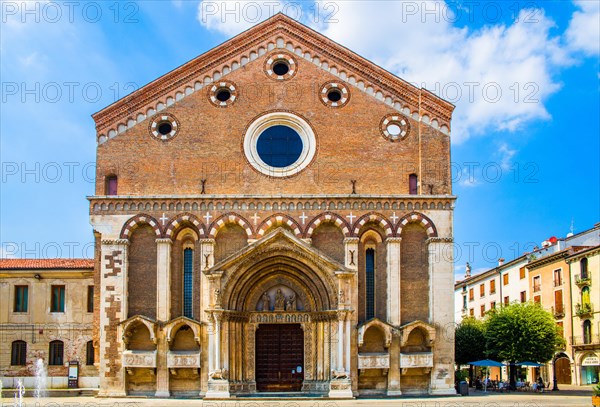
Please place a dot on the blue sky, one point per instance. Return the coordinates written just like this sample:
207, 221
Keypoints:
526, 159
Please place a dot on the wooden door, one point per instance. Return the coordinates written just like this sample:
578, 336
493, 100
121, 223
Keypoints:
279, 357
563, 371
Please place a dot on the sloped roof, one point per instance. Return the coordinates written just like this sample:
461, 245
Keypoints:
276, 32
39, 264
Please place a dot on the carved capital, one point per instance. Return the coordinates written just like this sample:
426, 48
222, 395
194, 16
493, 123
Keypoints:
439, 240
112, 242
393, 240
164, 241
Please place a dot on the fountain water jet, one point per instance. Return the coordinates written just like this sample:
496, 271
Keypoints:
19, 393
41, 379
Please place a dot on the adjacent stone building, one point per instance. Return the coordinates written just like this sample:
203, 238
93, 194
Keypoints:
46, 314
274, 216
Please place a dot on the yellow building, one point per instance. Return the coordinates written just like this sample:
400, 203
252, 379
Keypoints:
549, 286
584, 270
46, 312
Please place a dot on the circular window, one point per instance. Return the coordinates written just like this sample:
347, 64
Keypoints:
223, 94
164, 127
334, 94
394, 127
279, 144
281, 66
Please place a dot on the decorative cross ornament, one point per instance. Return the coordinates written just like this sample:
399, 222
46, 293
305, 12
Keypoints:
208, 217
255, 218
394, 218
163, 219
303, 217
351, 217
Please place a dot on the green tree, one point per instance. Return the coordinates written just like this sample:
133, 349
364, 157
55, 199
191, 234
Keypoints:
469, 343
520, 332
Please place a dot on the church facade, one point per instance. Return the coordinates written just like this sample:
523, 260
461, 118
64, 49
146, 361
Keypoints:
274, 216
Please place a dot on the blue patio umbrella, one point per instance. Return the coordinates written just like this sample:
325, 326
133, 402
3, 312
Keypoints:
529, 364
487, 363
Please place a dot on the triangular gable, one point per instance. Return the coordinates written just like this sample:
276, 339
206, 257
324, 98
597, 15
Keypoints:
279, 234
278, 32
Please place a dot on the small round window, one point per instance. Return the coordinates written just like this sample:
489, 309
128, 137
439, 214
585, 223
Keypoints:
394, 127
334, 94
281, 66
279, 146
164, 127
223, 94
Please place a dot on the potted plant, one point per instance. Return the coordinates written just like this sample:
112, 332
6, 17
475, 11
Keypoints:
596, 395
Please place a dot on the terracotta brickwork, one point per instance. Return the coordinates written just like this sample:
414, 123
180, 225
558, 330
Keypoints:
414, 279
111, 356
208, 143
142, 273
280, 247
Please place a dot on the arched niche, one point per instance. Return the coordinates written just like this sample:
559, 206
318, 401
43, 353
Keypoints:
417, 336
139, 333
375, 328
293, 297
180, 328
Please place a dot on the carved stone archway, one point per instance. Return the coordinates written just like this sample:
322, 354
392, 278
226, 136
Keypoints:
284, 263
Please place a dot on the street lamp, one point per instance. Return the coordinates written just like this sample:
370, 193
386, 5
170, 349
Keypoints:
554, 384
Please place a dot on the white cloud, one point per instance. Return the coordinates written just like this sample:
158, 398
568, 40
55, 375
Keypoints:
583, 33
498, 76
231, 17
467, 178
506, 154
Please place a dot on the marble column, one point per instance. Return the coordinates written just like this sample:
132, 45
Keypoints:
340, 354
163, 279
393, 280
207, 250
163, 311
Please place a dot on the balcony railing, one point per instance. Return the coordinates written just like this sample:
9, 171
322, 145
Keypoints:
558, 282
558, 312
582, 281
582, 310
537, 288
589, 340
